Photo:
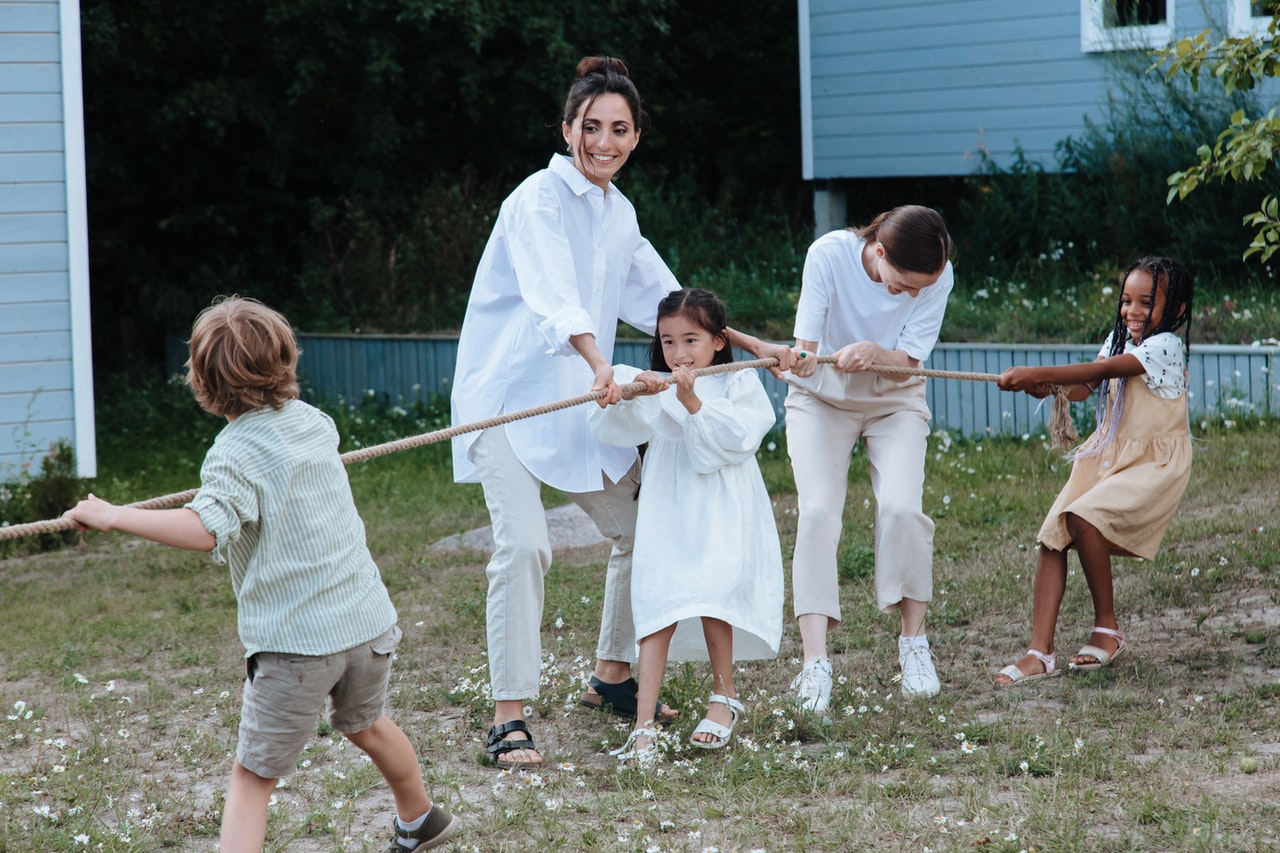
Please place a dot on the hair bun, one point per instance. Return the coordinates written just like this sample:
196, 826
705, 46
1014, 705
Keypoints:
602, 65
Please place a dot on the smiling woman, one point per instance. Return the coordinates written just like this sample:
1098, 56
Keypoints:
565, 262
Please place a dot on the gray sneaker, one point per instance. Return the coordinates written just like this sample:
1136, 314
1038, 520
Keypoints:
919, 677
438, 828
813, 686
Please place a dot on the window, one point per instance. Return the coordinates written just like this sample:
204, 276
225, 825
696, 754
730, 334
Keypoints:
1107, 25
1250, 18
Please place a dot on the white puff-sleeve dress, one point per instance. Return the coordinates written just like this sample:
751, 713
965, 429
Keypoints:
706, 541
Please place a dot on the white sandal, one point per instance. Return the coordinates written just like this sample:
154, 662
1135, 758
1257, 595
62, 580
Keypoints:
709, 727
1102, 656
1017, 676
640, 755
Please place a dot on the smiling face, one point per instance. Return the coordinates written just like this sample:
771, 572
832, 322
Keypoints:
1139, 311
602, 137
895, 280
686, 344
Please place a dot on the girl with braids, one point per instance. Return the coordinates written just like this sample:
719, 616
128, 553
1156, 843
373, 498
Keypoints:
1128, 477
872, 295
707, 576
564, 263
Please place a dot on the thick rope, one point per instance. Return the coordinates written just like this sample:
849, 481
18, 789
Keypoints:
1061, 411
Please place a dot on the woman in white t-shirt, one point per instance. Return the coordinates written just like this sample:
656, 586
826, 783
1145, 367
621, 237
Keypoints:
564, 263
872, 295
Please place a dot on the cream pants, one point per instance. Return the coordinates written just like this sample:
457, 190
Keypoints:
826, 415
522, 556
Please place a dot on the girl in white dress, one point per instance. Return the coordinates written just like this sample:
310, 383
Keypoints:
706, 578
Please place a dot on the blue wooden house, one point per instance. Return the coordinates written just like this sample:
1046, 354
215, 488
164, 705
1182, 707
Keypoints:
916, 88
46, 371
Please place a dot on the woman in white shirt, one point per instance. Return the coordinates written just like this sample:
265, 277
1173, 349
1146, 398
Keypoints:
872, 295
565, 262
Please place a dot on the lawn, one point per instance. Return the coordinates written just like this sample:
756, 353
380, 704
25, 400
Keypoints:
121, 674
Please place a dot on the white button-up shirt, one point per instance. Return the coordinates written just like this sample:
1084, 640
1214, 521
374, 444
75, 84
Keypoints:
565, 258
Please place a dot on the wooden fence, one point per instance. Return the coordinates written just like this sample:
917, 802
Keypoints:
1226, 381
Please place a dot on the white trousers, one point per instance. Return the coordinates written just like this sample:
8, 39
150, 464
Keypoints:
825, 419
522, 557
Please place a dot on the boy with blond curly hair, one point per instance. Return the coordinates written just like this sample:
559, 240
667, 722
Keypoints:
315, 619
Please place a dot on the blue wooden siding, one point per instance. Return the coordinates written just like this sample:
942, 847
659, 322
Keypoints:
45, 390
1226, 380
915, 88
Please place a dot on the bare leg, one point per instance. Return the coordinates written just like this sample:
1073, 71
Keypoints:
653, 663
244, 817
393, 755
719, 636
1051, 584
913, 613
813, 635
1095, 560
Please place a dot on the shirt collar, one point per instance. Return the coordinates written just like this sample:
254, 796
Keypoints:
578, 183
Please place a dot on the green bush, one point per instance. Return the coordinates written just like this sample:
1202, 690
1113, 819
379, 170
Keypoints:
46, 495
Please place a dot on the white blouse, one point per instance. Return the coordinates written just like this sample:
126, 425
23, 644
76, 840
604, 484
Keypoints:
1163, 357
706, 541
565, 258
840, 304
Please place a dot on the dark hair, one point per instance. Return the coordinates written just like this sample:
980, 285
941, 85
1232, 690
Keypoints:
1180, 290
705, 310
243, 357
603, 75
914, 237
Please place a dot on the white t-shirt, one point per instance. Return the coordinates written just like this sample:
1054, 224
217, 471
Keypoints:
1163, 356
840, 304
565, 258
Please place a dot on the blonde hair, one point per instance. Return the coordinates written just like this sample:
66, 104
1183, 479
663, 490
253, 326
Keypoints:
243, 357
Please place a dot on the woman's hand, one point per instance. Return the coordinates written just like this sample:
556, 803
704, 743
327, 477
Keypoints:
857, 357
653, 384
603, 381
683, 378
805, 363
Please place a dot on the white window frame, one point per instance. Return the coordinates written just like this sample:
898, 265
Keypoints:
1242, 23
1096, 37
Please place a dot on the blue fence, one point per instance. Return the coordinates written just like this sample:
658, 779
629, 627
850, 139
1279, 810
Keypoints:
1225, 380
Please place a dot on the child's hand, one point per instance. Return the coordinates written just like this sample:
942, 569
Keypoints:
684, 378
92, 513
1024, 379
653, 384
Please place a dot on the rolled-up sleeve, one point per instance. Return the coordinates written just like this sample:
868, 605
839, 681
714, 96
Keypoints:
225, 503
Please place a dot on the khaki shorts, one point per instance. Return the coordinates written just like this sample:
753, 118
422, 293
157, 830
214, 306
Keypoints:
283, 695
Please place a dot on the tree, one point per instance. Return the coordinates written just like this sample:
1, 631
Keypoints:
1247, 148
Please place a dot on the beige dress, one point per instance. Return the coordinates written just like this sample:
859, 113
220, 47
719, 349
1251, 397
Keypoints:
1131, 490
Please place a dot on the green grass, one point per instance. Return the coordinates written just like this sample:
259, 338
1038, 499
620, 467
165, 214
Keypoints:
120, 680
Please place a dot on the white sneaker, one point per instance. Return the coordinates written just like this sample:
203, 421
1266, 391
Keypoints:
813, 686
919, 677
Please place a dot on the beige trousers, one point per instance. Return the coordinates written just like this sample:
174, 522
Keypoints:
826, 415
522, 557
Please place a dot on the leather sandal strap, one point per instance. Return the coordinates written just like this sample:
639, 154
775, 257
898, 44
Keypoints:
496, 744
1110, 632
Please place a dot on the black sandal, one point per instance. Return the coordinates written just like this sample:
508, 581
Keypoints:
619, 699
496, 744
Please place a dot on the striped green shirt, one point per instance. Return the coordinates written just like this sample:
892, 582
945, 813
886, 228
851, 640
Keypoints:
274, 492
